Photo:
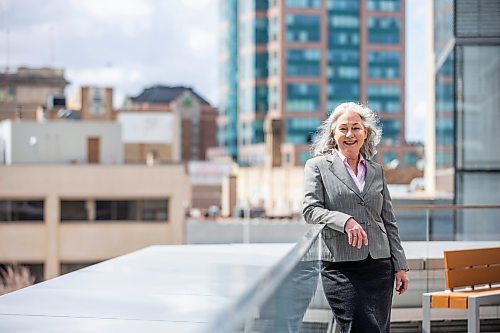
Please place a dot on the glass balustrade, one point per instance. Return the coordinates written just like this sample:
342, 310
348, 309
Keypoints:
290, 297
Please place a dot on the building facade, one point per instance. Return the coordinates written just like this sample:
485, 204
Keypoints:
468, 103
291, 62
197, 117
60, 142
58, 218
27, 89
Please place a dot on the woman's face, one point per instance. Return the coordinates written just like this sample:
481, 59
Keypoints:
350, 134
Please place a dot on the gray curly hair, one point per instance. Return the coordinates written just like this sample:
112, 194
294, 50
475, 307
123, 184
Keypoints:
324, 142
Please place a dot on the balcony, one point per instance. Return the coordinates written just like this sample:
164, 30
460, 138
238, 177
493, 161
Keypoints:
257, 287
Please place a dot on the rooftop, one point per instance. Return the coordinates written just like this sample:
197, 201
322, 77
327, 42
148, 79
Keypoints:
164, 94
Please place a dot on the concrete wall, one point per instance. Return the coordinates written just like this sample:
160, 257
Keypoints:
51, 242
279, 190
233, 231
62, 142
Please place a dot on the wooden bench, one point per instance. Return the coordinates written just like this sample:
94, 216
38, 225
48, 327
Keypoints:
474, 273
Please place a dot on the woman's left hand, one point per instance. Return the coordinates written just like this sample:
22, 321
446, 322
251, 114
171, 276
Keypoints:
401, 281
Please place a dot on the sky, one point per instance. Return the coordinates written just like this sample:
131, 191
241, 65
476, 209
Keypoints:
133, 44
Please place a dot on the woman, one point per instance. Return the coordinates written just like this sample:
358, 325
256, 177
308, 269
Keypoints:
345, 190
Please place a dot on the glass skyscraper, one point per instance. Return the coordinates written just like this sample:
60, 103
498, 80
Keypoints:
288, 63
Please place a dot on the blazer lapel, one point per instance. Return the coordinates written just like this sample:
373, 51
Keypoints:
339, 170
369, 177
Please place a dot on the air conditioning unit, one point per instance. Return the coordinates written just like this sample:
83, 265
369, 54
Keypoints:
56, 102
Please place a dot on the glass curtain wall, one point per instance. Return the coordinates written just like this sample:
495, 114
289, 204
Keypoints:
227, 129
477, 114
343, 73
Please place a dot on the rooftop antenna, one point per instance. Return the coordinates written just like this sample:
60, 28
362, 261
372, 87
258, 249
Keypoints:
3, 9
7, 54
51, 46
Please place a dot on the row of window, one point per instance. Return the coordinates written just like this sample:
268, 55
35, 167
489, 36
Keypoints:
371, 5
343, 29
302, 130
344, 64
305, 97
83, 210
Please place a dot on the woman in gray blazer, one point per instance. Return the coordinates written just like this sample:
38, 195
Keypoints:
345, 190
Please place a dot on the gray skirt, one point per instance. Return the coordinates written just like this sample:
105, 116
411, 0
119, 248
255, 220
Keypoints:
360, 294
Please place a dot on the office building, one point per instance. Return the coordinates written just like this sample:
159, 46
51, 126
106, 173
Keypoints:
467, 48
57, 218
60, 142
196, 116
286, 64
67, 199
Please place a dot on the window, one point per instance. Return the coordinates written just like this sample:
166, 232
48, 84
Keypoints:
385, 98
304, 62
73, 210
21, 210
389, 157
384, 65
303, 3
71, 267
302, 28
302, 97
132, 210
384, 5
344, 21
384, 30
444, 131
261, 65
257, 131
261, 33
391, 131
410, 159
304, 156
301, 130
343, 5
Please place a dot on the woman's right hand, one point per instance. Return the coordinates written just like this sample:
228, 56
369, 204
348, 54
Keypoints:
356, 236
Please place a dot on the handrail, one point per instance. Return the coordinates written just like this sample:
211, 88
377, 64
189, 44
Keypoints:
235, 314
445, 207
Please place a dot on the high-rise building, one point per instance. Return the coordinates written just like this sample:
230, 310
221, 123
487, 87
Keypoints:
285, 64
467, 47
227, 120
444, 94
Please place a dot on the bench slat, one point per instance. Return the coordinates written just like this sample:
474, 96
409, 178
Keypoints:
472, 257
458, 299
472, 276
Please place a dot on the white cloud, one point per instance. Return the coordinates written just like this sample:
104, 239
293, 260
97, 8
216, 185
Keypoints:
201, 39
198, 4
128, 17
115, 8
103, 76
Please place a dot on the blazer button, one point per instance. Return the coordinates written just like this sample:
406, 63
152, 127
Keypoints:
362, 203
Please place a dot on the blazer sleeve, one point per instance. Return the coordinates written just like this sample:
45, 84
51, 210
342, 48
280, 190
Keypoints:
314, 210
397, 253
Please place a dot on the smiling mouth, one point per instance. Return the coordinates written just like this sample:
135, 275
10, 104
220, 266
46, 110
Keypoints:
350, 143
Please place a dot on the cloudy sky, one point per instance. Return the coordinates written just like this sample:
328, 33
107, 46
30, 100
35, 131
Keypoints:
132, 44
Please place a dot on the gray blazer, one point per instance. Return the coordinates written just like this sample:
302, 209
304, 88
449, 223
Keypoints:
331, 197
